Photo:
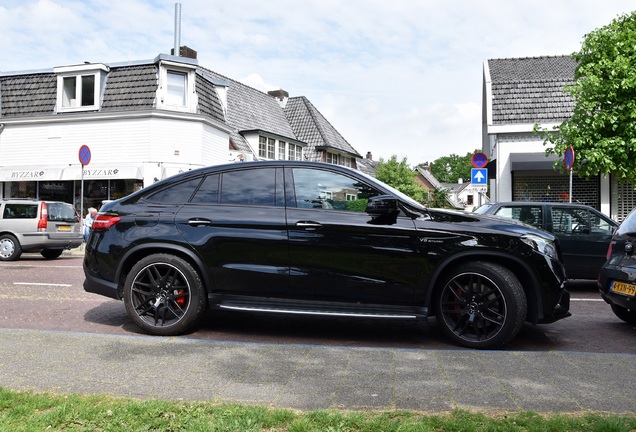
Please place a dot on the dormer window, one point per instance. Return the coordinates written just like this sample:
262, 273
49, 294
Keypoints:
79, 88
176, 89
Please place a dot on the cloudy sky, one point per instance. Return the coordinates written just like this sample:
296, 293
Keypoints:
398, 77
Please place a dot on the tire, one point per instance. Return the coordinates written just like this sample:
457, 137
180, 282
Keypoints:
627, 315
51, 253
10, 249
164, 295
481, 305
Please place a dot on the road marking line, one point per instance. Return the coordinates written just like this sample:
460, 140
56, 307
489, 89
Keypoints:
41, 284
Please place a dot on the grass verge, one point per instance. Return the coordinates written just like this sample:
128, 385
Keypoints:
27, 411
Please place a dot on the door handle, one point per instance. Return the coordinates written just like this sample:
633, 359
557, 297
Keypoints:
199, 222
308, 225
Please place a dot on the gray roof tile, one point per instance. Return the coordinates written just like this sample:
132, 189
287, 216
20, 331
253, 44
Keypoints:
28, 95
530, 90
313, 128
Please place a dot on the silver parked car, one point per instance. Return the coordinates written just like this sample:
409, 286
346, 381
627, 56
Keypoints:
48, 227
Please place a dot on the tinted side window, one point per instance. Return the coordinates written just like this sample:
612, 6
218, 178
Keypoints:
315, 188
569, 221
178, 193
249, 187
20, 211
208, 192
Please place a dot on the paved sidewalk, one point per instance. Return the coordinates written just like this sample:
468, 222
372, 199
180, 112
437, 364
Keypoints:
306, 377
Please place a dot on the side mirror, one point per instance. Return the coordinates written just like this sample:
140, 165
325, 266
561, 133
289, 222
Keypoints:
384, 209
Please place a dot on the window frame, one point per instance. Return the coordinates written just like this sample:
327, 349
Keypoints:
165, 99
76, 76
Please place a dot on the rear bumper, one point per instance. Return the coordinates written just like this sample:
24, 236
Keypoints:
39, 241
100, 286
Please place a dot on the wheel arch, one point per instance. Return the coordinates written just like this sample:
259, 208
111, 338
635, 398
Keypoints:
529, 282
141, 251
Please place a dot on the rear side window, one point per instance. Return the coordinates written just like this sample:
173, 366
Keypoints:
178, 193
20, 211
249, 187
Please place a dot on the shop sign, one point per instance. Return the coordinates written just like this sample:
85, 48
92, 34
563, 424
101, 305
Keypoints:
28, 175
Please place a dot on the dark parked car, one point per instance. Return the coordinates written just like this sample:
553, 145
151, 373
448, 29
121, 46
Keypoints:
617, 278
583, 232
315, 238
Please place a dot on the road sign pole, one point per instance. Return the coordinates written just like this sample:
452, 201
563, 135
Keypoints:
570, 194
82, 194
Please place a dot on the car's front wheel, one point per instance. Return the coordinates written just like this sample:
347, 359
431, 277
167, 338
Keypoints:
627, 315
164, 295
10, 249
481, 305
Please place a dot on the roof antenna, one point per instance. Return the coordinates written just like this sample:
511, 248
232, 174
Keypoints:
177, 29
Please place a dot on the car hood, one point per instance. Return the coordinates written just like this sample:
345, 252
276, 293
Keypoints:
486, 222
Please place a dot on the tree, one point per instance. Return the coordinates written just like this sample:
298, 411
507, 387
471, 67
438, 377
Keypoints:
449, 169
400, 176
602, 129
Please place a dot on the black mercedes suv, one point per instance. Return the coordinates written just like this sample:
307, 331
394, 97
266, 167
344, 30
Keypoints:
293, 237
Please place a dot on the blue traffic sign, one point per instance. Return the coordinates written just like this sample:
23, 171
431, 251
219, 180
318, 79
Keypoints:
479, 160
84, 155
479, 176
568, 158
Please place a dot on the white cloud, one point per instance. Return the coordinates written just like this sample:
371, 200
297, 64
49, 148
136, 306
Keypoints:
399, 77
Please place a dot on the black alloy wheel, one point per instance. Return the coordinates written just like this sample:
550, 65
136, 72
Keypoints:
481, 305
10, 249
164, 295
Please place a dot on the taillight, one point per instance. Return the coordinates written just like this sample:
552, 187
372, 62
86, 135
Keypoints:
42, 222
104, 221
609, 251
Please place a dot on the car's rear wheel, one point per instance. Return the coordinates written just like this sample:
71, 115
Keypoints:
164, 295
51, 253
10, 249
481, 305
627, 315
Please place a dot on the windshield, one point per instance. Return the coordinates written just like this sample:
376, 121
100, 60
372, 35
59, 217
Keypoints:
628, 226
396, 192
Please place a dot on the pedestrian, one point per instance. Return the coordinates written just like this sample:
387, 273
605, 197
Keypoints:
88, 222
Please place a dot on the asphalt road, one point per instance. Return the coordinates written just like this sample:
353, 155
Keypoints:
54, 337
40, 294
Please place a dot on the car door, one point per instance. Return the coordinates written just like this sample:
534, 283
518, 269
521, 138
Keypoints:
236, 223
584, 237
337, 251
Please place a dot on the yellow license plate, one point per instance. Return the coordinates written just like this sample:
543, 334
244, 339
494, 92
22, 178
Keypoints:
624, 288
64, 228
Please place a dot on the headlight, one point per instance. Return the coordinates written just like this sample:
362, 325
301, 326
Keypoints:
540, 244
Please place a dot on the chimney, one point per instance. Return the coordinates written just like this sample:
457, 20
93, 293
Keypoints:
177, 28
280, 95
185, 51
369, 156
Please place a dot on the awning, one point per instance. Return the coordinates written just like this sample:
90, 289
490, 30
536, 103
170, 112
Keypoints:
103, 172
9, 174
531, 161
